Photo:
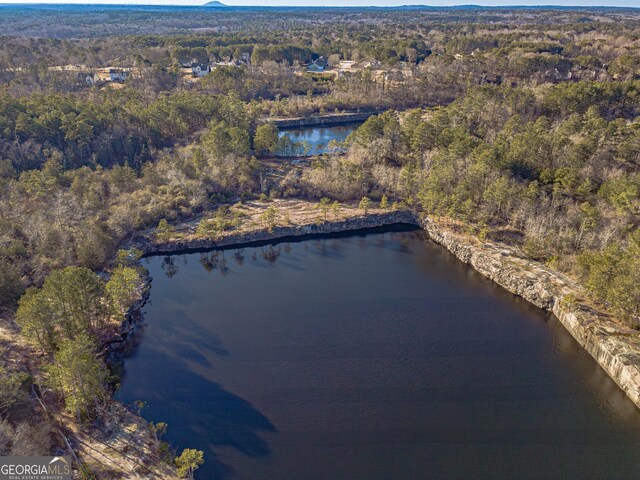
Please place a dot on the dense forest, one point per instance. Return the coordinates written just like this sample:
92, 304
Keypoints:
521, 125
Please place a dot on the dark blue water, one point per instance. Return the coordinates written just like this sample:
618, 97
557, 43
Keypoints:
314, 140
369, 357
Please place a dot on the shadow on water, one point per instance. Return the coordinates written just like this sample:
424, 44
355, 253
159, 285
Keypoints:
216, 260
170, 260
376, 358
205, 409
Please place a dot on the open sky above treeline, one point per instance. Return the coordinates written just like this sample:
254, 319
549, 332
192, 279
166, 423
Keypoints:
355, 3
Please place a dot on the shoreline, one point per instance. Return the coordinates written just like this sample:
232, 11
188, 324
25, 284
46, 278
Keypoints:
321, 120
281, 237
259, 236
615, 347
117, 348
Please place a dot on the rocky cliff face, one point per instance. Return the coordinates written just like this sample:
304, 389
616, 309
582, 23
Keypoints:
615, 347
258, 235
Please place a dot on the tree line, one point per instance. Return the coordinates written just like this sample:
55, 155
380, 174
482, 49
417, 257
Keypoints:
527, 135
554, 172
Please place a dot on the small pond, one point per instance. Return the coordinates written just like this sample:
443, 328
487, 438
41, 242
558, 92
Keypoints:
312, 140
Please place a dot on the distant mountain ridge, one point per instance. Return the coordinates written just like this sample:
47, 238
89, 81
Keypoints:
61, 5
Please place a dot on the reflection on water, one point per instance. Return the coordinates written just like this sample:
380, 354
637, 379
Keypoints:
374, 356
169, 266
313, 140
216, 260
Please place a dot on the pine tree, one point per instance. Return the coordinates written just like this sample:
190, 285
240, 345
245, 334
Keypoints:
79, 376
188, 461
164, 231
365, 203
324, 206
36, 321
336, 208
123, 289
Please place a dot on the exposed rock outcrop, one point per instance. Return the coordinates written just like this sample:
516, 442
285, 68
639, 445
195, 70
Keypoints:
259, 235
615, 347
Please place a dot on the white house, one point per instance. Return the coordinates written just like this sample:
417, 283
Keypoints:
89, 78
372, 64
200, 69
118, 75
318, 65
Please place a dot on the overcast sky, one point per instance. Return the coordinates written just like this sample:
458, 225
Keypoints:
301, 3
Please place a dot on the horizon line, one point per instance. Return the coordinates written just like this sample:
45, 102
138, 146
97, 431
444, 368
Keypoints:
223, 5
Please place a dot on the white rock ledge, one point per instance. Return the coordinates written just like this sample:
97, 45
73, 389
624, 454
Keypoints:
259, 235
615, 347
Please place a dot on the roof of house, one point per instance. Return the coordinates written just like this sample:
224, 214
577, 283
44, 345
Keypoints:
321, 62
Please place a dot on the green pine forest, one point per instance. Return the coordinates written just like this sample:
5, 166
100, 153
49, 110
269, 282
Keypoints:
517, 125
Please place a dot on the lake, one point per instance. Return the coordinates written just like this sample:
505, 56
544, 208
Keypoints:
313, 140
370, 356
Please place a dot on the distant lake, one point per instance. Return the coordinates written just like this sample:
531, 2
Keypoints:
314, 139
373, 356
